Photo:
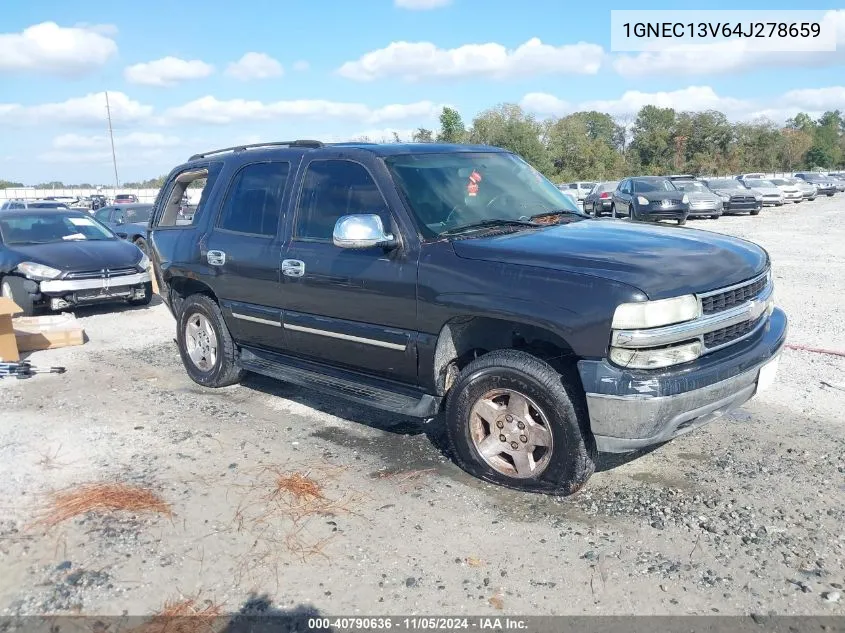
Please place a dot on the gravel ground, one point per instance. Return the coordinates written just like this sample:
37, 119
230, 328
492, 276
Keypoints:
744, 516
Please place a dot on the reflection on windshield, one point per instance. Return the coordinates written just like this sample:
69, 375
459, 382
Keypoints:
461, 189
43, 228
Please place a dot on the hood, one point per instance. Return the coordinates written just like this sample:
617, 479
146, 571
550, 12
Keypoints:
661, 261
735, 192
79, 255
662, 195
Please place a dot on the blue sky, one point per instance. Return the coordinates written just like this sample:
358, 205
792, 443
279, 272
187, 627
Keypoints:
183, 78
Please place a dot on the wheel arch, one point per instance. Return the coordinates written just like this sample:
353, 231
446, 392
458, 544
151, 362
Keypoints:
463, 339
180, 288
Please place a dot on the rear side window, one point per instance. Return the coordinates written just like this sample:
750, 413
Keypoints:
254, 200
334, 188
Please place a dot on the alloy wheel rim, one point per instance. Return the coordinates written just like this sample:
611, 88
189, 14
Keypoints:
511, 433
201, 342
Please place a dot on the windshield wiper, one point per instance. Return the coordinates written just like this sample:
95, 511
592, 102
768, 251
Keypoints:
488, 224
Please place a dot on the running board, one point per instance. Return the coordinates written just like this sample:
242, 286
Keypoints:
373, 392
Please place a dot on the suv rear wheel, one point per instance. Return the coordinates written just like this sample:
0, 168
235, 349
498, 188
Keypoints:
205, 345
511, 420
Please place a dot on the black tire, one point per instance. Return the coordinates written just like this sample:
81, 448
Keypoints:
756, 212
225, 370
13, 288
613, 211
714, 217
572, 458
141, 243
148, 296
830, 195
682, 221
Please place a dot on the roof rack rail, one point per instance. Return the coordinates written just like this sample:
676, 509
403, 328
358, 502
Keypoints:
240, 148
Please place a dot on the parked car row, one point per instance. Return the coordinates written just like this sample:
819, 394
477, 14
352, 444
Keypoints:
682, 196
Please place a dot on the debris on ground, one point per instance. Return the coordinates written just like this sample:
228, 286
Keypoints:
102, 497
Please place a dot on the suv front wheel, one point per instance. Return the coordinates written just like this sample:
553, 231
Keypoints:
205, 345
511, 420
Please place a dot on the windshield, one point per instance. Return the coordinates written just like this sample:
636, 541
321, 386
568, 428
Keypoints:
755, 182
608, 186
462, 189
696, 187
43, 228
725, 184
47, 205
137, 214
780, 181
641, 186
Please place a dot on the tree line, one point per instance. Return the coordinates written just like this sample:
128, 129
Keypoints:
596, 146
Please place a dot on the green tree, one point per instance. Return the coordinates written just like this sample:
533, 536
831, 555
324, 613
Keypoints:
423, 135
8, 184
452, 129
794, 144
653, 138
507, 126
583, 145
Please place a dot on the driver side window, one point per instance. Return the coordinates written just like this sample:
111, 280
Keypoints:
103, 214
333, 188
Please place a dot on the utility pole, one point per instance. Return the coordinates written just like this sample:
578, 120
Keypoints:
111, 138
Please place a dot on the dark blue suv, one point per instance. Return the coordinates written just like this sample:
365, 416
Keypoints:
429, 279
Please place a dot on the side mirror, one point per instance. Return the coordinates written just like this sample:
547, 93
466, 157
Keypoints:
119, 221
361, 231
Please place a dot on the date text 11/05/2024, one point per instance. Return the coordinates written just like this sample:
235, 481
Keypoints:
418, 623
763, 30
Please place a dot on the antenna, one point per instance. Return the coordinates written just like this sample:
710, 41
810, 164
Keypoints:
111, 138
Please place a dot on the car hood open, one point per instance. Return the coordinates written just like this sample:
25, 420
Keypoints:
661, 261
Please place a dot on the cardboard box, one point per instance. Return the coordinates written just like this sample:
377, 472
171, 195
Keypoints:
47, 332
8, 345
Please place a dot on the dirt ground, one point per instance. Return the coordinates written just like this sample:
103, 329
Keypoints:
744, 516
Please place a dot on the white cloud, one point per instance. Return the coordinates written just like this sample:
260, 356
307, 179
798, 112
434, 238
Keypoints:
413, 61
52, 49
301, 66
148, 140
696, 99
109, 30
89, 110
209, 109
730, 56
255, 66
421, 5
167, 71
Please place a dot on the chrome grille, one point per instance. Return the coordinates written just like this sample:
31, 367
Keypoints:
107, 273
728, 334
719, 301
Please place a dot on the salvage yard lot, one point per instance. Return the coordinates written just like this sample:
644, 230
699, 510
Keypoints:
282, 497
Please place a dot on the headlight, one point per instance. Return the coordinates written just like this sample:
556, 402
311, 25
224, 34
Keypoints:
642, 200
655, 358
646, 314
144, 262
685, 199
758, 198
38, 271
725, 198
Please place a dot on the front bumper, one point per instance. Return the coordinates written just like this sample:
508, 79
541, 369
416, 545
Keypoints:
633, 409
735, 205
698, 212
64, 286
659, 212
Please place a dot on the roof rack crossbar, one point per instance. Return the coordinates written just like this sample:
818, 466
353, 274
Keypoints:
240, 148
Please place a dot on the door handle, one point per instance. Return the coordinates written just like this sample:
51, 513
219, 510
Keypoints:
293, 267
215, 258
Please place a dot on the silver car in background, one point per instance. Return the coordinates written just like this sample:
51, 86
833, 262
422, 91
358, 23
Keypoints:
791, 192
808, 190
772, 195
703, 203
